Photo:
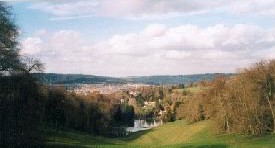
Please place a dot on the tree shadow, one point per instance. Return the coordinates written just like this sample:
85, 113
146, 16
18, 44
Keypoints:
135, 135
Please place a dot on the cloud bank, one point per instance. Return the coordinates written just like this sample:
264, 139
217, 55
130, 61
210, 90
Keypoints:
157, 49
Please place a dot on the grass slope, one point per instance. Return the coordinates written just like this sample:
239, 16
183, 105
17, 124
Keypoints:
192, 90
176, 134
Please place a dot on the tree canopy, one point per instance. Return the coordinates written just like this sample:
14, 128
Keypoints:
9, 57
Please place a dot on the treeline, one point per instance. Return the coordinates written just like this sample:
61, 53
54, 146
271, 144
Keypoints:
94, 114
244, 103
26, 107
53, 78
175, 80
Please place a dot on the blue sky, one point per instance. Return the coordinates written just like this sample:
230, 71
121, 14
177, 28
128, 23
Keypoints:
146, 37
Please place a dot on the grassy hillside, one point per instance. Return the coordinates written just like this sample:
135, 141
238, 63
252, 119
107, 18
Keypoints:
176, 134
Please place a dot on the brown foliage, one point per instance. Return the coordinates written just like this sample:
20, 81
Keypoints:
244, 103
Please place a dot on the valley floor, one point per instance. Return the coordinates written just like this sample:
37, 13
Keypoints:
175, 134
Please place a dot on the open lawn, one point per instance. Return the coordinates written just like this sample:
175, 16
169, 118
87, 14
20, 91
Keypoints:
176, 134
192, 90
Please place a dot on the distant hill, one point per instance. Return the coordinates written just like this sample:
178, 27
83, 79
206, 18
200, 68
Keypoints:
54, 78
179, 79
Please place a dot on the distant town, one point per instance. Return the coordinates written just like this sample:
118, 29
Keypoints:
85, 89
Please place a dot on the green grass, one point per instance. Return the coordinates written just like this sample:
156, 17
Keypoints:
192, 90
176, 134
75, 139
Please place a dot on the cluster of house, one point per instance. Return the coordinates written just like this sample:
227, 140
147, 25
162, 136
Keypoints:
132, 101
85, 89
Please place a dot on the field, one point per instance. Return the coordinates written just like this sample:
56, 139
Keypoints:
192, 90
175, 134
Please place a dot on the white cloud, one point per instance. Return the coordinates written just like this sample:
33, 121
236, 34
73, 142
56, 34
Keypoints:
140, 9
31, 46
157, 49
155, 30
265, 7
175, 54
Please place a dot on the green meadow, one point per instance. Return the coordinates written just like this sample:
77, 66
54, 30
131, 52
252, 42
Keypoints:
174, 134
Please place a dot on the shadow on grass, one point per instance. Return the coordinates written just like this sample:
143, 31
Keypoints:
63, 146
63, 138
135, 135
206, 146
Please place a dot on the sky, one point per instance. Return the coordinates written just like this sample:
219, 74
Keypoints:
146, 37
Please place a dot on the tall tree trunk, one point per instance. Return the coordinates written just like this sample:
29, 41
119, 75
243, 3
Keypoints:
272, 112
